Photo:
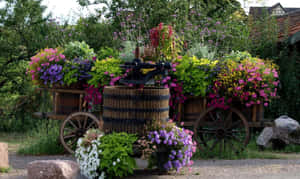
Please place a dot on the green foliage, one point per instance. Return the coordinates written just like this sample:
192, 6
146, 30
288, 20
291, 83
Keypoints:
127, 53
4, 170
96, 34
237, 56
78, 49
195, 74
289, 91
106, 52
104, 71
116, 158
202, 51
47, 140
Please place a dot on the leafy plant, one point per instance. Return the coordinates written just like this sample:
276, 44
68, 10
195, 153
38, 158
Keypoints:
78, 50
127, 53
106, 52
195, 74
202, 51
105, 72
108, 155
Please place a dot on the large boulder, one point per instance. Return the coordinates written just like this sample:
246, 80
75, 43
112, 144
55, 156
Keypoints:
4, 162
52, 169
265, 137
279, 135
285, 123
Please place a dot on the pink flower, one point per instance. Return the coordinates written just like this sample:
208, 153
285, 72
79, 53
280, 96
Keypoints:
258, 78
94, 58
182, 123
39, 68
241, 81
112, 75
238, 88
258, 102
62, 56
266, 104
248, 104
267, 71
254, 95
250, 79
275, 74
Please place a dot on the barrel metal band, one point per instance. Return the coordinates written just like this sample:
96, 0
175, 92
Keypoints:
135, 110
127, 120
137, 97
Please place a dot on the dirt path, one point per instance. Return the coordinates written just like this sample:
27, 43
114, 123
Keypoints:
206, 169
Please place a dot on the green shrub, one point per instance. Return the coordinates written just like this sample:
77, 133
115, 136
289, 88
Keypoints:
78, 50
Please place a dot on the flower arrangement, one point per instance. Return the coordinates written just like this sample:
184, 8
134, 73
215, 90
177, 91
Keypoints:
78, 50
251, 81
77, 71
174, 147
195, 74
165, 41
101, 156
46, 67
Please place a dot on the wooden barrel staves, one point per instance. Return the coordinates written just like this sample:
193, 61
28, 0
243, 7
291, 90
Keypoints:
131, 110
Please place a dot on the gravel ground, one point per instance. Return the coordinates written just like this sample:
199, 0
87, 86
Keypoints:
206, 169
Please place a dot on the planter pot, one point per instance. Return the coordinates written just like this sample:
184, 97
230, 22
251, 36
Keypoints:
131, 110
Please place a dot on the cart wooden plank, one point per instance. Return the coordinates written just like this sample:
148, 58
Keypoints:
50, 115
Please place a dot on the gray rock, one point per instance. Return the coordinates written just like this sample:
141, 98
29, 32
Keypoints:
52, 169
265, 137
4, 162
285, 123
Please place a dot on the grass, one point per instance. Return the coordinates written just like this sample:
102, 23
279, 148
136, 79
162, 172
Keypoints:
46, 141
4, 170
251, 152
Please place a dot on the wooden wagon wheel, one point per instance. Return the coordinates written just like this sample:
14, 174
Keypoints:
74, 127
220, 131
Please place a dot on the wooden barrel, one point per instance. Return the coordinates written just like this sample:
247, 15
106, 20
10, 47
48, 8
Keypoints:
193, 107
131, 110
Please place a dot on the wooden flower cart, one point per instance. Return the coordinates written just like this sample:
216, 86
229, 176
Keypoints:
70, 107
221, 128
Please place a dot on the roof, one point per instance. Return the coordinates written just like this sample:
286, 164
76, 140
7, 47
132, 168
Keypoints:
257, 12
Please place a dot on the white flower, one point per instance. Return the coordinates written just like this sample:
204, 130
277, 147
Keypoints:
102, 176
114, 163
118, 160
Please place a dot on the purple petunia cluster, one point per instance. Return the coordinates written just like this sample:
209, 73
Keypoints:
52, 74
179, 145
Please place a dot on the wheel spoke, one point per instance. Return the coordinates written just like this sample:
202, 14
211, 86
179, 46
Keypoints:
212, 116
90, 125
85, 121
228, 120
66, 137
77, 118
71, 122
